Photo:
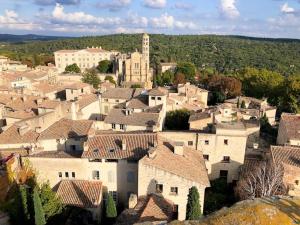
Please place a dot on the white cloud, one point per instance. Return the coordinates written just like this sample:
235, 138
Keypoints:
114, 5
287, 9
60, 16
229, 9
166, 21
11, 20
156, 4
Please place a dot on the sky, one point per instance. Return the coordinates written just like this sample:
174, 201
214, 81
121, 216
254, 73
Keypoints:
258, 18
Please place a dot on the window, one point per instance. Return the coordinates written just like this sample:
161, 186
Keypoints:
73, 174
152, 98
174, 191
130, 177
159, 98
66, 174
122, 126
81, 90
223, 173
113, 126
297, 182
106, 100
60, 174
73, 147
96, 175
117, 100
190, 143
206, 157
226, 159
225, 141
159, 188
206, 142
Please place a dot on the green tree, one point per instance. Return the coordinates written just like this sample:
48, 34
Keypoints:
90, 77
73, 68
111, 211
39, 216
24, 198
110, 79
51, 203
188, 69
177, 120
105, 66
193, 208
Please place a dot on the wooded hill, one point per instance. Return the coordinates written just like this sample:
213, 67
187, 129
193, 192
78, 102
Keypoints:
222, 53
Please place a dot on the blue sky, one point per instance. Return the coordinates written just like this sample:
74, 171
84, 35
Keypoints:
261, 18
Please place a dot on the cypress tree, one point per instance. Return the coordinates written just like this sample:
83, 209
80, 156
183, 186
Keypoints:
243, 105
39, 216
111, 211
193, 208
24, 201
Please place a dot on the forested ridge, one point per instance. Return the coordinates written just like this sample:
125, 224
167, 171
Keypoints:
222, 53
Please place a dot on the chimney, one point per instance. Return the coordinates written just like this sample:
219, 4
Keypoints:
124, 144
178, 148
132, 202
73, 111
152, 152
23, 130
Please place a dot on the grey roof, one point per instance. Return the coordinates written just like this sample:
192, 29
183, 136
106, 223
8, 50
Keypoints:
121, 93
118, 116
159, 91
286, 154
56, 154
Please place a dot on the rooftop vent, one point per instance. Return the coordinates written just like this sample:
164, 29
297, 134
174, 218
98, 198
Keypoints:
111, 150
96, 150
178, 148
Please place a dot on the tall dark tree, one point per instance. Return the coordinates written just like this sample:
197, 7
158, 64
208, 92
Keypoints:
39, 215
105, 66
24, 198
193, 208
111, 210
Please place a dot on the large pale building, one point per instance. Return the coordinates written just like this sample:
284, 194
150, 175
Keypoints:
84, 58
135, 67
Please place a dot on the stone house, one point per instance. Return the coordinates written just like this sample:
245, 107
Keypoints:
289, 130
289, 158
170, 170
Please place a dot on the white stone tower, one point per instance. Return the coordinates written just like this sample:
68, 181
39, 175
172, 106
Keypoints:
145, 50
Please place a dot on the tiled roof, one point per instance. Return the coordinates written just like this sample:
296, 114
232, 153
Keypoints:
20, 102
291, 123
55, 154
286, 154
47, 88
199, 116
190, 166
119, 93
76, 85
151, 208
66, 128
109, 146
118, 116
49, 104
86, 100
12, 136
19, 114
140, 102
80, 193
159, 91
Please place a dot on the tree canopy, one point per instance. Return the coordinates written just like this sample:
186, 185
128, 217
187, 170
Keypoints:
111, 211
91, 77
110, 79
193, 208
177, 120
73, 68
105, 66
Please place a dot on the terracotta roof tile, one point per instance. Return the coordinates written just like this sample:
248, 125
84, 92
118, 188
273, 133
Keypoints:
159, 91
66, 128
119, 93
192, 166
286, 154
109, 146
86, 100
291, 123
13, 136
118, 116
80, 193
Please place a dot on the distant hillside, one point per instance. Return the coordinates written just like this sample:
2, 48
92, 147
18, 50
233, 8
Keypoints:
283, 211
223, 53
11, 38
